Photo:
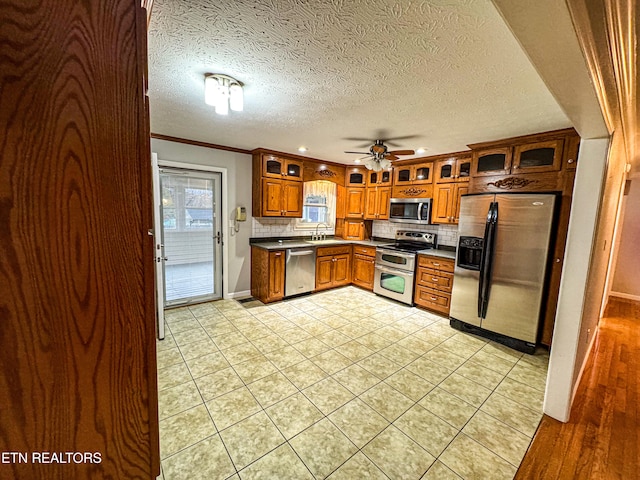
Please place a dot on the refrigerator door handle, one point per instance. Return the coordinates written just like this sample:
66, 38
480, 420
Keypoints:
486, 265
483, 260
490, 254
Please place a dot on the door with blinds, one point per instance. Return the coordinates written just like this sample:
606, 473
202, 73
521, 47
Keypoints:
190, 250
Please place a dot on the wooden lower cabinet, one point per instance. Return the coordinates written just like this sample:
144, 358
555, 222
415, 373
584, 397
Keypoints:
364, 259
434, 280
333, 267
267, 274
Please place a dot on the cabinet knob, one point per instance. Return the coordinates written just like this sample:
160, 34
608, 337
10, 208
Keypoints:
433, 299
436, 264
434, 279
278, 254
571, 160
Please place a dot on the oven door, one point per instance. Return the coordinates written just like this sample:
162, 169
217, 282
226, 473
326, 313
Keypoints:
396, 259
394, 283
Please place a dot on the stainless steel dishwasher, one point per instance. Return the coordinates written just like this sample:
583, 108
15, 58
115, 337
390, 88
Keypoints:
300, 271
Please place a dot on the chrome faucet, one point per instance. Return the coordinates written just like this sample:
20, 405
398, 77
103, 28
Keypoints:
323, 235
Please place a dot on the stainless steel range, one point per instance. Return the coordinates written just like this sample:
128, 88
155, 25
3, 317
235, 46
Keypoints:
396, 264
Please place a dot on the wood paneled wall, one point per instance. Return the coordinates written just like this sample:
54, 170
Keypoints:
77, 334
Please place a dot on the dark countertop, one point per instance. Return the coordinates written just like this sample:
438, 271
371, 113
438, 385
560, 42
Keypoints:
301, 243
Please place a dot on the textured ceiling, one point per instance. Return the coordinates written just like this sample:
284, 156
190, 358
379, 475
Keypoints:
316, 72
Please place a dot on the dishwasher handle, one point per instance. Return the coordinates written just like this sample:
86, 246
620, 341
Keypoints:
300, 253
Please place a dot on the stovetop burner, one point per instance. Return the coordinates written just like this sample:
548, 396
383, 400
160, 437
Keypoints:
412, 241
407, 247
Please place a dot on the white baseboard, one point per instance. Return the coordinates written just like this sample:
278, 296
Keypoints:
244, 293
626, 296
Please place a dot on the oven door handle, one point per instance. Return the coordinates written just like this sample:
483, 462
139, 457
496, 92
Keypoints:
396, 253
393, 270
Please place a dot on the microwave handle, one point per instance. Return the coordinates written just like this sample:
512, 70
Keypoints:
419, 210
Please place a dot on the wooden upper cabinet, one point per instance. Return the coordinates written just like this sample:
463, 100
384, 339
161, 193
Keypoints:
354, 230
452, 170
281, 198
377, 203
274, 166
494, 161
356, 177
537, 157
415, 174
354, 204
446, 202
382, 178
533, 157
292, 199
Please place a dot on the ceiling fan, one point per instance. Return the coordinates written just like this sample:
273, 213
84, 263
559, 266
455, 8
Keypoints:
379, 156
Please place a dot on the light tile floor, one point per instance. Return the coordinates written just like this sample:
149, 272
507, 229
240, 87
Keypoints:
342, 384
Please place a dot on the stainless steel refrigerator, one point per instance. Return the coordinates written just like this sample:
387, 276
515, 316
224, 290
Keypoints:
501, 263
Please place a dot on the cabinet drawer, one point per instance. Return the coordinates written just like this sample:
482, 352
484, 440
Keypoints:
330, 251
432, 299
368, 251
435, 279
436, 263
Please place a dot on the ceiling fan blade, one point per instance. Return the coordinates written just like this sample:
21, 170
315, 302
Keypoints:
359, 153
390, 156
402, 152
392, 140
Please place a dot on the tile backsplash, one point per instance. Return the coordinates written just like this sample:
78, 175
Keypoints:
285, 227
280, 227
447, 234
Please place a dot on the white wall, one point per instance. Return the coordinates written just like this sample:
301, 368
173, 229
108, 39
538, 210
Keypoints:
564, 365
626, 279
238, 165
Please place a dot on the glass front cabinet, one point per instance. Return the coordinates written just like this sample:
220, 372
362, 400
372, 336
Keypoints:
381, 178
535, 157
356, 177
453, 170
285, 168
419, 173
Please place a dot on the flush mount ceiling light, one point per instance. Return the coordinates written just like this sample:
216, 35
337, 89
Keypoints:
223, 92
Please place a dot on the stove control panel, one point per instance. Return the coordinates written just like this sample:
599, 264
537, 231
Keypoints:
416, 237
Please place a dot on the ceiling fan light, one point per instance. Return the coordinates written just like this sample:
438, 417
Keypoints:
236, 100
211, 92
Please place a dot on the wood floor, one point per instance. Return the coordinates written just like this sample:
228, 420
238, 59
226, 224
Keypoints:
601, 439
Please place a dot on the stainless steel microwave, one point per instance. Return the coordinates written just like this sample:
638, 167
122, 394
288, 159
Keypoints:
410, 210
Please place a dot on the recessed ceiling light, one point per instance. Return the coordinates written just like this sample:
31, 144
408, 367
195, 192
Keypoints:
357, 160
421, 150
302, 149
